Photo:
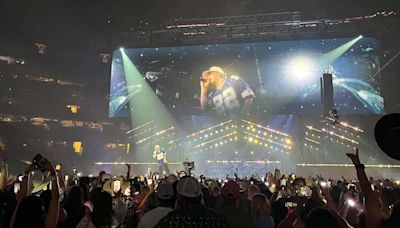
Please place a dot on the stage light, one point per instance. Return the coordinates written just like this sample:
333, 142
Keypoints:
351, 202
301, 68
121, 49
332, 56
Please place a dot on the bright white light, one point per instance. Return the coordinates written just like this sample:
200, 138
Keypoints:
301, 68
351, 202
360, 36
362, 94
323, 184
121, 49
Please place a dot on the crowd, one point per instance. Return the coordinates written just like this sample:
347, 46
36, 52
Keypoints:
121, 201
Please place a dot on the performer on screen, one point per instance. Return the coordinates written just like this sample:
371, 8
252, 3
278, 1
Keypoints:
161, 157
226, 93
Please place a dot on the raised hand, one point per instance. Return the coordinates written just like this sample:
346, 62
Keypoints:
48, 166
354, 157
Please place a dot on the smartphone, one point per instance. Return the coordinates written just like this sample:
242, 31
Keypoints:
117, 185
290, 204
149, 181
17, 187
58, 167
141, 178
304, 191
127, 191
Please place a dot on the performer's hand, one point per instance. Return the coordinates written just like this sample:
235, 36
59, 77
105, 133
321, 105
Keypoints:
205, 83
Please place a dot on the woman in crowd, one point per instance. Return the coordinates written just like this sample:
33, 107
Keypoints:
253, 189
261, 208
74, 206
29, 211
102, 215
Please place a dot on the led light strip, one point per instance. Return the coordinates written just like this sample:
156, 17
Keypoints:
134, 163
207, 129
344, 124
347, 165
268, 140
312, 141
238, 161
266, 128
339, 136
213, 140
141, 126
154, 135
313, 129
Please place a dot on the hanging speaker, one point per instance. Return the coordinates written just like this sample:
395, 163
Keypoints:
387, 135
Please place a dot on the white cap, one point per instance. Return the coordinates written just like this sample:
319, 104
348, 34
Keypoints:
214, 69
189, 187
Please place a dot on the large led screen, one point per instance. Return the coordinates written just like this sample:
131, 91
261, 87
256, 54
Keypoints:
280, 77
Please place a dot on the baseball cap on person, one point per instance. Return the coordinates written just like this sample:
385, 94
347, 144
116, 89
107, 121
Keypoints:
189, 187
231, 190
214, 69
165, 190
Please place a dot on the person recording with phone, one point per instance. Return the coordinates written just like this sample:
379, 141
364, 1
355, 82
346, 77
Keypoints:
29, 210
226, 93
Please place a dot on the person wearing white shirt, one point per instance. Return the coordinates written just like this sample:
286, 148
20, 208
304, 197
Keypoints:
166, 200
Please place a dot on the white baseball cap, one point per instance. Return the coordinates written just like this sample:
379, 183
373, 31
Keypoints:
189, 187
214, 69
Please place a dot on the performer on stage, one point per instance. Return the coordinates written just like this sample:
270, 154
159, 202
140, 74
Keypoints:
161, 157
227, 94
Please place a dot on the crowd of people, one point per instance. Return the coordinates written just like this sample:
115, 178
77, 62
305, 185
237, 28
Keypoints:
185, 201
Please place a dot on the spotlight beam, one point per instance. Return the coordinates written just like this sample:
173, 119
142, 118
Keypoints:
331, 56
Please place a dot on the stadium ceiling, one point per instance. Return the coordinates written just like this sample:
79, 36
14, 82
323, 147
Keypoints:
259, 27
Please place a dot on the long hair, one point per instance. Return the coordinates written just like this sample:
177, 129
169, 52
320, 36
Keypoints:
261, 206
29, 213
253, 189
75, 205
102, 215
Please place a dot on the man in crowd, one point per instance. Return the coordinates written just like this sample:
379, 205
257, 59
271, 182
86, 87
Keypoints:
231, 213
166, 200
190, 211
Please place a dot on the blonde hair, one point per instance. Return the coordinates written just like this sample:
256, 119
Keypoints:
253, 189
260, 205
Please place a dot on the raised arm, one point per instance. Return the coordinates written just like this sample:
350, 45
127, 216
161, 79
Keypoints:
372, 205
204, 86
329, 201
4, 174
128, 173
54, 206
23, 192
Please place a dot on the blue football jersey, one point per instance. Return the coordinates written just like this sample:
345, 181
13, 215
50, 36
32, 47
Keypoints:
231, 96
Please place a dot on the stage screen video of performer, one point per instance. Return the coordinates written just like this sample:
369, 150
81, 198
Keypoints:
251, 79
225, 93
